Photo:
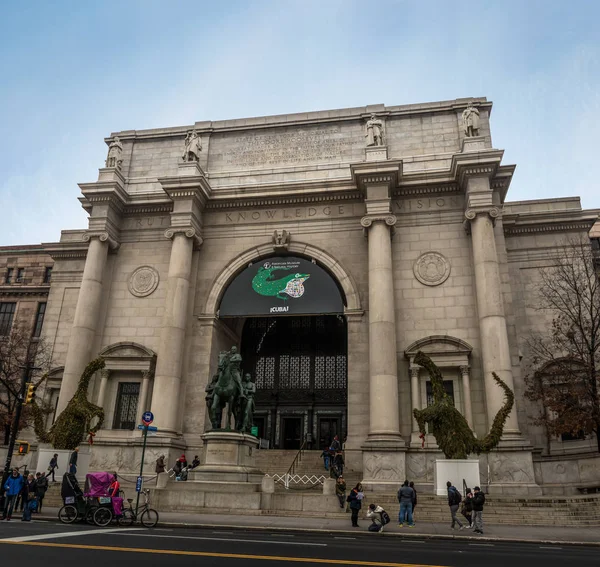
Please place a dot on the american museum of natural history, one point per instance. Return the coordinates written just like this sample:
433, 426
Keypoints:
329, 248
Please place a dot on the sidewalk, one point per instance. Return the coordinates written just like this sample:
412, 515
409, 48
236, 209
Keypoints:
524, 534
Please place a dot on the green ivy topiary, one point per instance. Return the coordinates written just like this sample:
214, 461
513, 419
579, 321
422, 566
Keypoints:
449, 427
74, 422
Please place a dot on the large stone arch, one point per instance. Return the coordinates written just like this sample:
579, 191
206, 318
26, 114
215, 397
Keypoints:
343, 277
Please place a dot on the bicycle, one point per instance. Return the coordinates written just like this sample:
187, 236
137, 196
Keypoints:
148, 516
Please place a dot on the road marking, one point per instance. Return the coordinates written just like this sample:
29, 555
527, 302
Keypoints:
215, 532
482, 544
209, 554
66, 534
237, 540
340, 537
282, 535
550, 547
413, 541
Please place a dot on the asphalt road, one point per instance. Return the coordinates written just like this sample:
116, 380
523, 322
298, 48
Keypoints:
38, 543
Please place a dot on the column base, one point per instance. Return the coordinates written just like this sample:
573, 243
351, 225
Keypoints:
384, 464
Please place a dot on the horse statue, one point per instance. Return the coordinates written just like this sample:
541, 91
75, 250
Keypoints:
227, 390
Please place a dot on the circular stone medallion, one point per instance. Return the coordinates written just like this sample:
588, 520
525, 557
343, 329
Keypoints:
431, 268
143, 281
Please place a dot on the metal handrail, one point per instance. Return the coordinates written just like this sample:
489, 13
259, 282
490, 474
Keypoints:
295, 462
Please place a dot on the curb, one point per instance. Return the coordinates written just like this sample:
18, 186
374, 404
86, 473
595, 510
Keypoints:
362, 533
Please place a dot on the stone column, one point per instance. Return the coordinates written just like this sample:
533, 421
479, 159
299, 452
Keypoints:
85, 322
165, 402
415, 395
492, 322
104, 376
383, 366
143, 399
466, 387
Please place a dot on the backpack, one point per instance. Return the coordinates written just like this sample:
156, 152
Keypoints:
385, 518
456, 497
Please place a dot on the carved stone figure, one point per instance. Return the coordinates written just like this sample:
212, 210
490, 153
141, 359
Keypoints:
281, 240
449, 427
228, 388
115, 154
248, 407
193, 147
210, 394
374, 132
470, 118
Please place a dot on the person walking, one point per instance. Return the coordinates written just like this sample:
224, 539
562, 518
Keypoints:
414, 503
29, 498
338, 463
467, 508
406, 496
340, 490
53, 466
335, 445
478, 502
355, 499
42, 486
325, 455
454, 500
73, 461
12, 489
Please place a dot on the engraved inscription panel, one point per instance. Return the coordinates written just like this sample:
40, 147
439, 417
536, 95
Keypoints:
291, 147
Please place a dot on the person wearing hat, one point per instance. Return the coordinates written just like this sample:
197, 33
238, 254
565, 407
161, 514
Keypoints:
478, 502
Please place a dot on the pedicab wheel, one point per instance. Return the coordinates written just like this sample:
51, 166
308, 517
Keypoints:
127, 518
149, 518
67, 514
89, 515
103, 517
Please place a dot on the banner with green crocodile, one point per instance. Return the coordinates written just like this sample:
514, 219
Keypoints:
286, 285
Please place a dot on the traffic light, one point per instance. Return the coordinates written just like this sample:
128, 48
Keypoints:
23, 448
30, 393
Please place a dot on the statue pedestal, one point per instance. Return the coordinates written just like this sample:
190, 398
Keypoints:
473, 144
228, 456
376, 153
455, 471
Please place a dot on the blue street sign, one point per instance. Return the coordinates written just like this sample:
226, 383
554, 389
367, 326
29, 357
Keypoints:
150, 427
147, 418
138, 484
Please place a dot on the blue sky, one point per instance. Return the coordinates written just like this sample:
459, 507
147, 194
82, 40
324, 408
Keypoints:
73, 72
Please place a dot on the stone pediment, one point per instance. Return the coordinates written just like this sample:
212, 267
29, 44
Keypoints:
128, 356
444, 350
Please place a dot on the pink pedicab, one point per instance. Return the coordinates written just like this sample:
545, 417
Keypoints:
103, 506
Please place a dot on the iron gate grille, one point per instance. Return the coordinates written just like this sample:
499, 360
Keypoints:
127, 402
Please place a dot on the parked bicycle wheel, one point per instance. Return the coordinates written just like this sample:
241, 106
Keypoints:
89, 515
127, 518
149, 518
103, 517
67, 514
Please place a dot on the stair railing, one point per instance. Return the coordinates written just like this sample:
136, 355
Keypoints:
292, 470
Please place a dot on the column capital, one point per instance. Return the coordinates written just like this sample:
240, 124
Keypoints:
464, 370
471, 214
146, 374
368, 220
415, 371
105, 374
102, 236
188, 232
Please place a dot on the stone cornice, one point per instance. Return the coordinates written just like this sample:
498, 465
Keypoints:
484, 163
22, 291
304, 119
66, 250
434, 189
515, 224
217, 204
386, 173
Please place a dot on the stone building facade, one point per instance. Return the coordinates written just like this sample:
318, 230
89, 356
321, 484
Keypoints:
403, 208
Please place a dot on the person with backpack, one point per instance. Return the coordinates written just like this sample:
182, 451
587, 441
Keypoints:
478, 502
379, 518
454, 500
406, 496
467, 508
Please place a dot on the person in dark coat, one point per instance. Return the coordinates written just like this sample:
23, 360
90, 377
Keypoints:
478, 502
42, 486
29, 497
467, 507
412, 485
355, 499
53, 466
73, 461
160, 465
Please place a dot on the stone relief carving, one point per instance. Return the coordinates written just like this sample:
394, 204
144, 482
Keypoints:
470, 117
143, 281
509, 468
374, 133
115, 154
281, 240
431, 268
383, 467
193, 147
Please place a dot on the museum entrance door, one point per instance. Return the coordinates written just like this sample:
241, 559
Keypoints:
299, 365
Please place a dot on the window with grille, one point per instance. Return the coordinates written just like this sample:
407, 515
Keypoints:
448, 388
127, 403
39, 319
20, 275
7, 312
9, 275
